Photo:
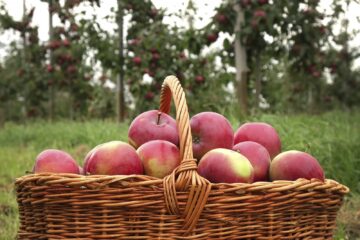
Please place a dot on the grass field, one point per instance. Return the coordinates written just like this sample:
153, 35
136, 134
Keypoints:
333, 138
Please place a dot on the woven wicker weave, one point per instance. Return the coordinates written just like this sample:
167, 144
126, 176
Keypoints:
180, 206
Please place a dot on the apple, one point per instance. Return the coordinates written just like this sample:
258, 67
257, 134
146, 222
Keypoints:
263, 2
86, 159
221, 18
212, 37
159, 157
245, 3
153, 125
258, 156
262, 133
260, 13
55, 161
149, 96
199, 79
155, 57
226, 166
49, 68
137, 60
291, 165
210, 130
113, 158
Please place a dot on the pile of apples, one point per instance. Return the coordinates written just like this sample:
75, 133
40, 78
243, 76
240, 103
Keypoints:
251, 154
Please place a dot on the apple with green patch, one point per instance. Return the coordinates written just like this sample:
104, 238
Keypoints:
293, 164
55, 161
226, 166
113, 158
159, 157
258, 156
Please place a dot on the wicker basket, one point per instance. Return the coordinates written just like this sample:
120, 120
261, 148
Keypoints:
181, 206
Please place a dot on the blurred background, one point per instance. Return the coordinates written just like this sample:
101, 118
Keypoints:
70, 59
74, 73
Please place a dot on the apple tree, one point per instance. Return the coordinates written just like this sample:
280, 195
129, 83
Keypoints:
153, 50
22, 82
263, 34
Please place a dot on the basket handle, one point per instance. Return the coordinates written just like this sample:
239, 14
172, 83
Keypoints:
185, 176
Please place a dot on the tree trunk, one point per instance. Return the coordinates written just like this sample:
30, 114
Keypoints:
240, 63
24, 33
120, 91
24, 65
257, 85
51, 88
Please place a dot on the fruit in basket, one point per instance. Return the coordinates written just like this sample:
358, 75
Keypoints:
262, 133
55, 161
153, 125
87, 157
210, 130
113, 158
226, 166
258, 156
159, 157
291, 165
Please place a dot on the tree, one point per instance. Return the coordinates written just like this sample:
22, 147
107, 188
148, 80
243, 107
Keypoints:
278, 29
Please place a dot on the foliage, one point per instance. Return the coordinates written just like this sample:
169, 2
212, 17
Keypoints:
296, 32
296, 61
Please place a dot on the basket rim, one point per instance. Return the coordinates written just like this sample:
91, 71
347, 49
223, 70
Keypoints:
277, 185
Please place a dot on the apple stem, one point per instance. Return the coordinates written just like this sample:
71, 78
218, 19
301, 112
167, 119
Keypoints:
158, 118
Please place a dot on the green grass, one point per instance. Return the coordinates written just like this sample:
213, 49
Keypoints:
333, 138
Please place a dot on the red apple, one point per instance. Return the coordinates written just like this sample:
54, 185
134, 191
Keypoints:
87, 157
210, 130
221, 18
71, 69
137, 60
159, 157
212, 37
155, 57
149, 96
258, 156
199, 79
260, 13
113, 158
226, 166
291, 165
49, 68
263, 2
245, 3
55, 161
262, 133
153, 125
